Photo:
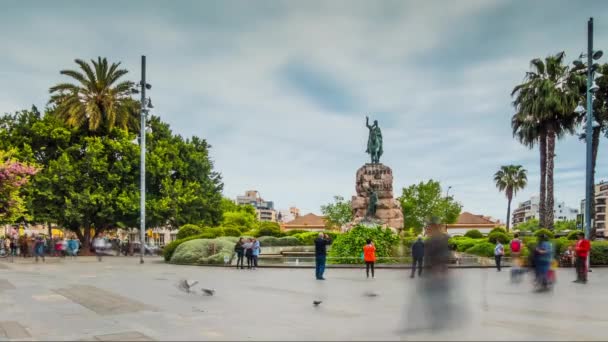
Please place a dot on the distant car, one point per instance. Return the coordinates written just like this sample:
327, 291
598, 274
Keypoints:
148, 249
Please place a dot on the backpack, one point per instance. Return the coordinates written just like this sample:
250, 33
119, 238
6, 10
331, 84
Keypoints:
515, 246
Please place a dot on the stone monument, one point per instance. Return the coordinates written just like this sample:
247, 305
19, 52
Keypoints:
374, 203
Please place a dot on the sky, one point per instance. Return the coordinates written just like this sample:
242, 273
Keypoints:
281, 89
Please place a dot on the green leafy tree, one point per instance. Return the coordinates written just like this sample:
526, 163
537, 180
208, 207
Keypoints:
338, 213
510, 179
348, 247
98, 99
565, 225
544, 105
423, 203
13, 176
529, 226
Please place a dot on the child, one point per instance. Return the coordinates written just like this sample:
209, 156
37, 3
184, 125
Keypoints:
369, 256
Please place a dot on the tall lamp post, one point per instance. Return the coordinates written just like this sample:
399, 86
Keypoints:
145, 103
591, 88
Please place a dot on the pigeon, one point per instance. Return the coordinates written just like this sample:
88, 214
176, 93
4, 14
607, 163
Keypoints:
208, 292
316, 302
185, 286
370, 294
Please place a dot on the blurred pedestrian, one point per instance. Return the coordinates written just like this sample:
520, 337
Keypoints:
24, 246
499, 251
255, 252
582, 248
240, 252
544, 256
248, 247
14, 247
369, 256
99, 244
417, 256
39, 248
321, 244
73, 247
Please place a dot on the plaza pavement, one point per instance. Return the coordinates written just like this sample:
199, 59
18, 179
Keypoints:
118, 299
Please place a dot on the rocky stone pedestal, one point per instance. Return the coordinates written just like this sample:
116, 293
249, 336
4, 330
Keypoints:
379, 178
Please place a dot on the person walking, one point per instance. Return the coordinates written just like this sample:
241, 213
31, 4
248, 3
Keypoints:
369, 256
13, 248
39, 247
542, 263
321, 244
240, 252
23, 246
99, 244
255, 252
248, 247
417, 256
582, 252
499, 251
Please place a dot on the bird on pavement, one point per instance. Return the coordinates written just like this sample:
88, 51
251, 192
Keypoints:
208, 292
316, 302
185, 286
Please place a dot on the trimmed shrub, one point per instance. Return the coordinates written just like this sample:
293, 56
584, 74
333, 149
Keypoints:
170, 248
188, 230
599, 253
498, 229
498, 236
473, 234
544, 231
268, 241
560, 246
483, 248
269, 231
573, 235
288, 241
231, 239
230, 231
461, 245
203, 251
348, 247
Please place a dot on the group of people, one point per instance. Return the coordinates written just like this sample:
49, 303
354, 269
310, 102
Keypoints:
249, 249
542, 260
40, 246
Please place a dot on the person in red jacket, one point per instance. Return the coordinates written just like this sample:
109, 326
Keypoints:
582, 252
369, 256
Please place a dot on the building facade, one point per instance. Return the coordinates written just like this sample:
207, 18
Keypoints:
265, 209
467, 221
529, 210
310, 222
285, 216
601, 210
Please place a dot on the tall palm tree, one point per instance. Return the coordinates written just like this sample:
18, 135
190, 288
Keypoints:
97, 100
510, 179
545, 105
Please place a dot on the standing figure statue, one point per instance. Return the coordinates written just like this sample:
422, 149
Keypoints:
374, 141
373, 203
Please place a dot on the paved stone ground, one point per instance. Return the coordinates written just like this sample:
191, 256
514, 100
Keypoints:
118, 299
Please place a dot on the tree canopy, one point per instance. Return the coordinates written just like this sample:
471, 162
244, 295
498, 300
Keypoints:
423, 202
338, 213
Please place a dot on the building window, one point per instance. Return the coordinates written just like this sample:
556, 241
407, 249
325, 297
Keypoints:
161, 239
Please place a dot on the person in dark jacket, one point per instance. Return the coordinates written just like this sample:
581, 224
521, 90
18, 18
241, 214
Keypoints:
240, 252
321, 254
417, 256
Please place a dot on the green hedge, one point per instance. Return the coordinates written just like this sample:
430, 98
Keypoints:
203, 251
498, 236
463, 243
293, 232
188, 230
573, 235
498, 229
230, 231
169, 249
482, 248
473, 234
271, 241
347, 247
599, 253
544, 231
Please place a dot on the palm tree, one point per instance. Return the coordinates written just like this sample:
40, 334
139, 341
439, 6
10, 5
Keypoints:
545, 105
510, 179
97, 100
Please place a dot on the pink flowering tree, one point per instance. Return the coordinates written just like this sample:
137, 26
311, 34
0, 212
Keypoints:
13, 176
